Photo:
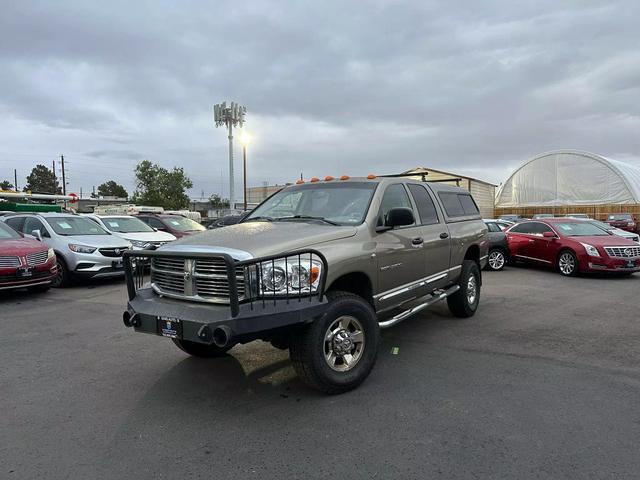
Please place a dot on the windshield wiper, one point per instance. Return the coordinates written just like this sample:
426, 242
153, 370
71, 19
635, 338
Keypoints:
308, 217
267, 219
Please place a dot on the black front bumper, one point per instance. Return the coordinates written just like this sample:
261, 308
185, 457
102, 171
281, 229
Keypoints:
199, 320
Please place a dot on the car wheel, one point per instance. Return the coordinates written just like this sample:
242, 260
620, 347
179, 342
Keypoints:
336, 353
464, 302
63, 276
496, 260
200, 349
567, 263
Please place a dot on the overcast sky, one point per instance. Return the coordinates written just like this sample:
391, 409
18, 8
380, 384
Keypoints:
472, 87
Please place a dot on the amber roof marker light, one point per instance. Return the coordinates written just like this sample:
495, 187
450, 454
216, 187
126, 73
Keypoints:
314, 179
344, 177
371, 176
328, 178
299, 181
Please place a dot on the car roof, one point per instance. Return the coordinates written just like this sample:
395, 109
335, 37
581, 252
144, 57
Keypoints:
45, 214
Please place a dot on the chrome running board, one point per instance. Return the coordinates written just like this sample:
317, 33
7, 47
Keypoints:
412, 311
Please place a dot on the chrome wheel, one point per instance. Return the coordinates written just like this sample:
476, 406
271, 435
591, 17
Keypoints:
472, 290
567, 263
344, 343
496, 260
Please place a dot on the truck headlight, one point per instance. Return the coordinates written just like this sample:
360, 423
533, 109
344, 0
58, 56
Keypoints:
81, 248
591, 250
292, 275
50, 253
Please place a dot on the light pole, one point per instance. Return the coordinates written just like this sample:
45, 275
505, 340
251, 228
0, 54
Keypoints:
229, 116
245, 139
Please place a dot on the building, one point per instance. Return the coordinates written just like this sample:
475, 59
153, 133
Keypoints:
483, 192
256, 195
571, 181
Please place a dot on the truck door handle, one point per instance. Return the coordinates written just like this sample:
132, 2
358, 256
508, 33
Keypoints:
444, 235
417, 241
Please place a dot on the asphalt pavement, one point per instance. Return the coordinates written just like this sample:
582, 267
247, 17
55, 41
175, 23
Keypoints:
544, 382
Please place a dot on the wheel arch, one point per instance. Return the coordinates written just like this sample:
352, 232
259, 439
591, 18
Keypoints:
357, 283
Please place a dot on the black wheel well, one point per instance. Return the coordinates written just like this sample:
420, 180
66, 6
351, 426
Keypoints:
473, 253
357, 283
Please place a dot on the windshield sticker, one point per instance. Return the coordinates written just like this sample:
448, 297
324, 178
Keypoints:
113, 224
64, 225
174, 222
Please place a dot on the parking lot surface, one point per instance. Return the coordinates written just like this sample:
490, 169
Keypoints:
543, 382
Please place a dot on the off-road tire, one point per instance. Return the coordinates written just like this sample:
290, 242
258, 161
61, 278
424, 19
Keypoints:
63, 277
460, 303
307, 349
200, 350
498, 257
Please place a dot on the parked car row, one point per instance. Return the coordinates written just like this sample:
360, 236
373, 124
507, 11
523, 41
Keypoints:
623, 221
571, 245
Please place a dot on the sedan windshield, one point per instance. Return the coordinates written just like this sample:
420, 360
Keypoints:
620, 216
75, 226
331, 203
183, 224
126, 225
602, 225
7, 233
575, 229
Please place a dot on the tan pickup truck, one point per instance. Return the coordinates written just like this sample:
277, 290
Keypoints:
318, 268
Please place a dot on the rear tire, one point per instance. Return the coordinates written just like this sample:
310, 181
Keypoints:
497, 259
335, 353
200, 350
464, 302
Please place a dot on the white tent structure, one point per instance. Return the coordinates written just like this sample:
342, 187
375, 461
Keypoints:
570, 178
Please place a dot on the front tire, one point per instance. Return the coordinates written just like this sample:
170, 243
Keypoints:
464, 302
496, 260
63, 276
567, 263
335, 353
200, 350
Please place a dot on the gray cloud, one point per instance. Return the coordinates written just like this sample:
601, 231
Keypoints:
331, 87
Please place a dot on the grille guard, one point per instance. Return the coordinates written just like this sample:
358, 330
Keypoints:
135, 275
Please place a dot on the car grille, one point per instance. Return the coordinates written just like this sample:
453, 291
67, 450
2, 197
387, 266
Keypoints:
624, 252
8, 262
199, 280
112, 252
37, 258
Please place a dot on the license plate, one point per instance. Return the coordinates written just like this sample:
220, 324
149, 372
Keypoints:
24, 272
117, 263
631, 264
169, 327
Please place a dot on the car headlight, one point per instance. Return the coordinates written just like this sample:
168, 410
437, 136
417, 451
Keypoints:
139, 243
50, 253
591, 250
81, 248
293, 275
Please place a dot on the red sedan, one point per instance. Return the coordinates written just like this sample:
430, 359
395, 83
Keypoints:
572, 246
24, 262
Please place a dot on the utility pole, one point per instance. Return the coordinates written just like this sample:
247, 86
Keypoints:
55, 179
64, 183
15, 179
229, 116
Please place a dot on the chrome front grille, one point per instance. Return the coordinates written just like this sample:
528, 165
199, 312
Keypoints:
9, 262
191, 279
37, 258
623, 252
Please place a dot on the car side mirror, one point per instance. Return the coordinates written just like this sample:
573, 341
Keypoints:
154, 229
37, 235
399, 217
548, 235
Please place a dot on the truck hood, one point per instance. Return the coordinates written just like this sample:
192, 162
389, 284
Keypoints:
260, 239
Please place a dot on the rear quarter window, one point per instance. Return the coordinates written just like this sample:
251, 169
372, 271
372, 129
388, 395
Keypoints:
458, 204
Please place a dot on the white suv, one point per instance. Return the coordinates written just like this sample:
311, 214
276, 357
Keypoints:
134, 230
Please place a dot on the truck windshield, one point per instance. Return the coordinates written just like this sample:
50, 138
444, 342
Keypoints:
126, 225
338, 203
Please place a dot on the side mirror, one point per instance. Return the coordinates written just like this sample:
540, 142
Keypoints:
154, 229
36, 234
399, 217
548, 235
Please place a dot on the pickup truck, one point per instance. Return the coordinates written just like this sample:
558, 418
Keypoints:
319, 268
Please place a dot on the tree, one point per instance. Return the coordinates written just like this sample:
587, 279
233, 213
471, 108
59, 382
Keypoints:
6, 185
157, 186
112, 189
42, 180
218, 202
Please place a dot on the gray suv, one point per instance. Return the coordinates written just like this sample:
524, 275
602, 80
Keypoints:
318, 268
83, 248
